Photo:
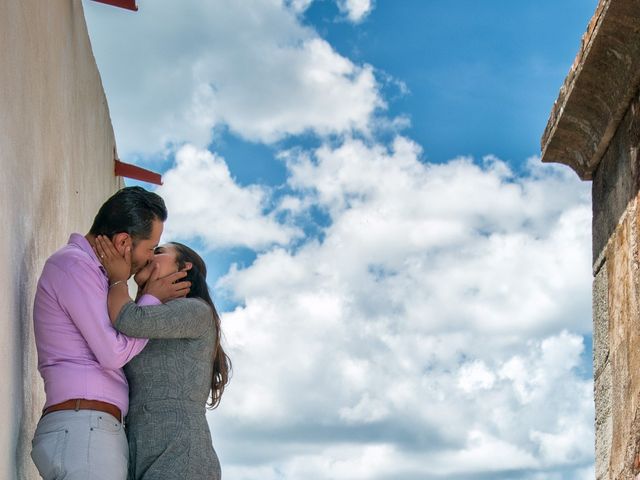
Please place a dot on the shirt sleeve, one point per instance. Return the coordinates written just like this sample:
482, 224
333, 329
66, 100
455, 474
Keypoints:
146, 300
181, 318
82, 293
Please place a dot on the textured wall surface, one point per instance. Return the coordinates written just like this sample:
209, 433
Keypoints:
617, 178
616, 303
623, 348
56, 156
602, 374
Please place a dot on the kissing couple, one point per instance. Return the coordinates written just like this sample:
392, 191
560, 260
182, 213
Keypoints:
127, 382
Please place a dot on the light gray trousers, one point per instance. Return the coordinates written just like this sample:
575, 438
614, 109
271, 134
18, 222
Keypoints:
82, 445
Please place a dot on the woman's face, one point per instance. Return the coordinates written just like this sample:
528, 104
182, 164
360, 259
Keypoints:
166, 257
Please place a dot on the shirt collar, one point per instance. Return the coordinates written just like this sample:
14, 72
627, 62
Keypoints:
83, 244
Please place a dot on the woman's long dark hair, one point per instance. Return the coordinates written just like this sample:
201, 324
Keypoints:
197, 275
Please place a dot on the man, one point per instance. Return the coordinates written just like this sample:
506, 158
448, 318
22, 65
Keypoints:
80, 355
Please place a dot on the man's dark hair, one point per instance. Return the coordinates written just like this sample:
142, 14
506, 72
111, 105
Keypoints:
130, 210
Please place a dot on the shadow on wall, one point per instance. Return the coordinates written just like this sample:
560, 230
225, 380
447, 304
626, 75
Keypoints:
26, 377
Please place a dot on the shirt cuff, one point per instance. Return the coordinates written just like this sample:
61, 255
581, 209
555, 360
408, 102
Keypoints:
146, 300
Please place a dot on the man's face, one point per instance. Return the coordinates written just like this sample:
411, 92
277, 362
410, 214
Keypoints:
142, 251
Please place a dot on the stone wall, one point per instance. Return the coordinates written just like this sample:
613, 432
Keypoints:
56, 161
616, 314
598, 89
594, 128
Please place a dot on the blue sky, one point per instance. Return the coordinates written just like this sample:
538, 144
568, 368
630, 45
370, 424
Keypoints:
481, 76
405, 287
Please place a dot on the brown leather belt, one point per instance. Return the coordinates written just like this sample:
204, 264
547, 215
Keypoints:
82, 404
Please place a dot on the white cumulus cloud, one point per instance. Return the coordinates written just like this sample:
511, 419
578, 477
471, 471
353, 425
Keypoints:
435, 325
356, 10
181, 69
206, 203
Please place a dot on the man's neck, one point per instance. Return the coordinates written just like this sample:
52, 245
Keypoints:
91, 238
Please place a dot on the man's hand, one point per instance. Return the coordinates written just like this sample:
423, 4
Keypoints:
166, 288
118, 266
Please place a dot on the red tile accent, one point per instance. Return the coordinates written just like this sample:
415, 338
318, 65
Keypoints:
131, 171
128, 4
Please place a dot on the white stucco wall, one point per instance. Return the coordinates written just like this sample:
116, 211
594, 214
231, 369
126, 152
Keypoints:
56, 161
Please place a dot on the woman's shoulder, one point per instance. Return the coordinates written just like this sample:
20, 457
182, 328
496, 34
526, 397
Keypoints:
193, 305
201, 315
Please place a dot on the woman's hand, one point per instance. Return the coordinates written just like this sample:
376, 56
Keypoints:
118, 267
166, 288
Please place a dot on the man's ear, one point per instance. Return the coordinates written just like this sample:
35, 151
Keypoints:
121, 241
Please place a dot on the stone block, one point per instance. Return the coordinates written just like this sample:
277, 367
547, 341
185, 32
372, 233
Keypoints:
600, 321
604, 425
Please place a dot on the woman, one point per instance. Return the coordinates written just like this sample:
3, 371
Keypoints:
182, 366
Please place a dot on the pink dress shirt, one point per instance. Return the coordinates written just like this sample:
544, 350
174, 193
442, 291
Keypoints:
80, 354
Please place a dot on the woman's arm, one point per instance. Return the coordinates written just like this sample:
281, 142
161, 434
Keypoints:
181, 318
119, 270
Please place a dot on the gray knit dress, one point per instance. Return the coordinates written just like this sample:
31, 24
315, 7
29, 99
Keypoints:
169, 385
